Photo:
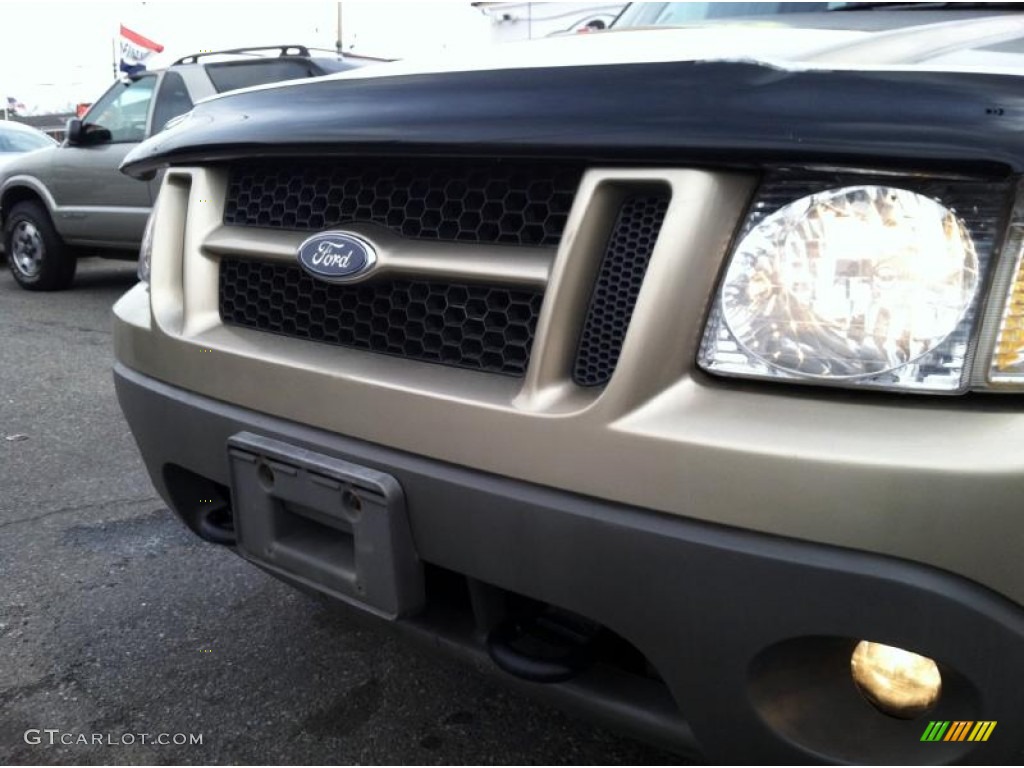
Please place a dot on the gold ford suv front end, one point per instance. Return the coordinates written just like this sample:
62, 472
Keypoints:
597, 417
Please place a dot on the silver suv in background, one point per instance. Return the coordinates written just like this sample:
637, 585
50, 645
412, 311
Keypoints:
71, 199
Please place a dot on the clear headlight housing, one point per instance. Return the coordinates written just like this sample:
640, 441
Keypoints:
146, 249
861, 285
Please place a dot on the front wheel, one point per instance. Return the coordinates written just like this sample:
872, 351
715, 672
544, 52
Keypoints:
37, 257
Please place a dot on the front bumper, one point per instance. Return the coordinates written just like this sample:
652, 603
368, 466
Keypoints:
750, 632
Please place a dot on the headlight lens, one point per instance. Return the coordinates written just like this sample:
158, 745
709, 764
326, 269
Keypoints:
146, 249
855, 285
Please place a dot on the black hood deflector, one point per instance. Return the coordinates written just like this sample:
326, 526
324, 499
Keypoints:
732, 113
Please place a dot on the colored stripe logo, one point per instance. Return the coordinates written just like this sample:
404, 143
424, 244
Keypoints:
958, 730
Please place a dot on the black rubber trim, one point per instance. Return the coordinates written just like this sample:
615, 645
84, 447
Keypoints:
214, 524
560, 659
714, 609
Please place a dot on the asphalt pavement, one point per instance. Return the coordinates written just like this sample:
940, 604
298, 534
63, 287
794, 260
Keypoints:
118, 628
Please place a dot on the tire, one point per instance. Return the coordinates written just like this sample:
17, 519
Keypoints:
36, 256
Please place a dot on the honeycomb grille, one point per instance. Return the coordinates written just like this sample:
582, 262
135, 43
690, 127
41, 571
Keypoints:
465, 201
467, 326
617, 286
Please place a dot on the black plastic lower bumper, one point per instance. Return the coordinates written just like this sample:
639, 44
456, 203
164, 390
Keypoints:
751, 633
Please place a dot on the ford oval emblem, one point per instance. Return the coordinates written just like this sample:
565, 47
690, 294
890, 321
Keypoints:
336, 256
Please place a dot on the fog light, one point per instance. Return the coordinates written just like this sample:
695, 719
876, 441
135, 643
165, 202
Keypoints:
898, 682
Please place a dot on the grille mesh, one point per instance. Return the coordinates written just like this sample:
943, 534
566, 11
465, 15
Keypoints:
467, 326
452, 200
618, 284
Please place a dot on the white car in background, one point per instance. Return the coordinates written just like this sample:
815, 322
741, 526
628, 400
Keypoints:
17, 138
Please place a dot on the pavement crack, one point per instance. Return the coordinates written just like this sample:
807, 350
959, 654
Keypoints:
77, 508
64, 326
8, 695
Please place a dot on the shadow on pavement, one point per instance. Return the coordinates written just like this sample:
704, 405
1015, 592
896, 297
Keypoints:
105, 273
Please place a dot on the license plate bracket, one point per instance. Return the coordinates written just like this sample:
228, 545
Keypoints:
332, 525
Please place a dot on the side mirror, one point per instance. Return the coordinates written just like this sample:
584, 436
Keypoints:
86, 134
73, 131
95, 134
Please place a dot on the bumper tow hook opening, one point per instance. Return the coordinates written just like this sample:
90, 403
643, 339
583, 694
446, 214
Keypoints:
266, 476
215, 524
552, 647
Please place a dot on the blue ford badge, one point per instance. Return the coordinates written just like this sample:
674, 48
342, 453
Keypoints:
336, 256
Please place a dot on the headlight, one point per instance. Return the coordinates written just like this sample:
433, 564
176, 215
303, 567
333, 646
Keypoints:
861, 285
146, 249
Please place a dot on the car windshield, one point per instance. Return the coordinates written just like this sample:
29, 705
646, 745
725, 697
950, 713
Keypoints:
123, 109
15, 140
230, 76
682, 14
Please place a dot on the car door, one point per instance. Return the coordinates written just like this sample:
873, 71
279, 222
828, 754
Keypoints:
95, 203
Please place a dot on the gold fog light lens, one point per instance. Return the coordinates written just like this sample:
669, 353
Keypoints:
898, 682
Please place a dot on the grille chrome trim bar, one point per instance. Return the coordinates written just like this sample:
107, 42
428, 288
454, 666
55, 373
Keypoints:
397, 256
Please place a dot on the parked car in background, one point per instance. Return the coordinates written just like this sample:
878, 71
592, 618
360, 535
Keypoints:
679, 14
833, 16
72, 200
17, 139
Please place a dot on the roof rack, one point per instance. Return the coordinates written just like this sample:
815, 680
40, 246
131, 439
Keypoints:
283, 50
350, 55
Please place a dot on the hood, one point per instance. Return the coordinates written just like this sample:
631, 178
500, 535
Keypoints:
825, 41
836, 40
794, 92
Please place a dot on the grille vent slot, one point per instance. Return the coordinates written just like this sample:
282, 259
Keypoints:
617, 287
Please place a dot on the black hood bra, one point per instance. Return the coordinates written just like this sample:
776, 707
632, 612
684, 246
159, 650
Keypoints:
726, 113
